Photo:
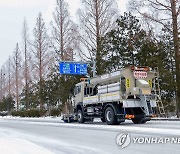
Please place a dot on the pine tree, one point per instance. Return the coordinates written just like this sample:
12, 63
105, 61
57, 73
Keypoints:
122, 44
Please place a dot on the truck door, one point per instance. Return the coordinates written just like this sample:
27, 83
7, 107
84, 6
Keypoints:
78, 94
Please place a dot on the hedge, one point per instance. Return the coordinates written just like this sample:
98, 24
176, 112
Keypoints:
29, 113
36, 113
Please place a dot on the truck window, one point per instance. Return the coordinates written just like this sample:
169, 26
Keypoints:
123, 85
95, 90
77, 90
87, 91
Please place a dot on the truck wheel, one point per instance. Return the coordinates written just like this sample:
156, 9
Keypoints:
110, 116
139, 121
80, 116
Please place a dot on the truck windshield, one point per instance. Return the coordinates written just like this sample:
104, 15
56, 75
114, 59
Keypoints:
87, 91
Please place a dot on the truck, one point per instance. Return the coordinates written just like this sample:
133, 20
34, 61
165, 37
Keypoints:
128, 93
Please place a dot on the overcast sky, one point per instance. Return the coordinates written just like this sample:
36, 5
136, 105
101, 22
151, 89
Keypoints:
12, 13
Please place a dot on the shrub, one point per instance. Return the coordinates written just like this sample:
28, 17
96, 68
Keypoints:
29, 113
55, 112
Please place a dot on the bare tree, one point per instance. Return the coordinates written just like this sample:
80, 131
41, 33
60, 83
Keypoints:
41, 55
4, 80
26, 55
17, 67
9, 73
97, 17
7, 77
2, 76
164, 12
64, 32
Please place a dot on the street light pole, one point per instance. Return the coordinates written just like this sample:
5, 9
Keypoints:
94, 67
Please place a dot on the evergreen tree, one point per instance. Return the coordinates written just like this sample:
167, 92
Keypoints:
7, 104
121, 45
129, 44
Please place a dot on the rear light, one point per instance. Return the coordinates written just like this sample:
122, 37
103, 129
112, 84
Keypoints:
84, 79
128, 116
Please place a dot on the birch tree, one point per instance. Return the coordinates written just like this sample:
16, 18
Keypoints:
96, 17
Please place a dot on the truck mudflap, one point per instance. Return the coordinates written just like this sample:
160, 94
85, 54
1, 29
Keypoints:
120, 117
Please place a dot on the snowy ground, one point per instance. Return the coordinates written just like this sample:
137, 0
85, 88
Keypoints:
51, 135
19, 143
14, 143
50, 119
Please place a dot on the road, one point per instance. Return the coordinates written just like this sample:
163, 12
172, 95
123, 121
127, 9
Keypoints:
52, 137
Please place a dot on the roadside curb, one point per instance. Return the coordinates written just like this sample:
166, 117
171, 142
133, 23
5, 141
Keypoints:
165, 119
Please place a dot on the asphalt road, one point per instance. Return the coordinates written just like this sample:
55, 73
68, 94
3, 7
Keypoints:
58, 137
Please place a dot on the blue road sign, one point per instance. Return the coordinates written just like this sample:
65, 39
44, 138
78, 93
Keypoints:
73, 68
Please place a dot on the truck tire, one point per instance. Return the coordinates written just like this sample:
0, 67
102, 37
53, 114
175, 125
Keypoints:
80, 116
110, 116
139, 121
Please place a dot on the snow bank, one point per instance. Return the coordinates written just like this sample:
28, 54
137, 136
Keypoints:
47, 119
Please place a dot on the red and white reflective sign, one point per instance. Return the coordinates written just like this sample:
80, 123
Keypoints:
140, 74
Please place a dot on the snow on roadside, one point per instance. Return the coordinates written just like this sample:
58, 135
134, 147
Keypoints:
32, 118
40, 119
48, 119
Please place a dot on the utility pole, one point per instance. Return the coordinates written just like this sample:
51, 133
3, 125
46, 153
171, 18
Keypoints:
94, 67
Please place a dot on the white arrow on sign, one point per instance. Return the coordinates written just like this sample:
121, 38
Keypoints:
75, 68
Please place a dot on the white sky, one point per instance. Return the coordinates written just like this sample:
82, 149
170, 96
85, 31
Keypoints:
12, 13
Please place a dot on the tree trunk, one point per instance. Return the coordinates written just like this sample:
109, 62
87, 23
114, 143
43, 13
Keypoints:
26, 78
17, 88
9, 74
1, 85
177, 52
98, 54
